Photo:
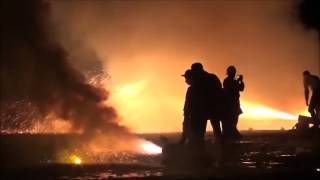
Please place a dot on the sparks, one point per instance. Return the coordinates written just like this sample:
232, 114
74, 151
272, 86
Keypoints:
151, 148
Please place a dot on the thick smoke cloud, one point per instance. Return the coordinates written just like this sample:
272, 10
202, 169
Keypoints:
35, 69
308, 10
308, 14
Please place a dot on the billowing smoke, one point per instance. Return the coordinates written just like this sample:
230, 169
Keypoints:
37, 79
308, 13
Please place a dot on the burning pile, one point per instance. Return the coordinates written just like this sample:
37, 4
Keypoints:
39, 86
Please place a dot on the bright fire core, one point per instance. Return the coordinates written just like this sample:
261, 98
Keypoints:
150, 148
75, 159
263, 112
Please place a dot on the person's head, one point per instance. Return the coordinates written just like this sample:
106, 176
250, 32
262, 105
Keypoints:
306, 73
231, 71
197, 67
188, 76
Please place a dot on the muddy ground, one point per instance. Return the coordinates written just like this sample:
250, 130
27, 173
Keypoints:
259, 155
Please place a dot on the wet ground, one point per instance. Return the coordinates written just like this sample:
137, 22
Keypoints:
259, 155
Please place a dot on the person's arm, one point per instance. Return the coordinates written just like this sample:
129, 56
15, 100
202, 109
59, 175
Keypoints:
241, 86
218, 82
186, 108
241, 83
306, 92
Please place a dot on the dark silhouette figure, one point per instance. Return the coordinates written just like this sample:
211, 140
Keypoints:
193, 114
232, 86
207, 91
312, 82
186, 131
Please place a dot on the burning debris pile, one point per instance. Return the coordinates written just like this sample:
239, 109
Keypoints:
35, 69
39, 86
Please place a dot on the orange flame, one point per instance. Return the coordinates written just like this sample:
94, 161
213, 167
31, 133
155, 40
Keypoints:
252, 111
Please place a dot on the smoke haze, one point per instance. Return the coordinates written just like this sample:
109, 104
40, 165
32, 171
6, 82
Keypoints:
145, 47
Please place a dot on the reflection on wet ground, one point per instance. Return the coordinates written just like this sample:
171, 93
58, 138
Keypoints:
267, 155
118, 171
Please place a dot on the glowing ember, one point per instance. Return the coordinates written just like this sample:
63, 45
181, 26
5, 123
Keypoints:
75, 159
151, 148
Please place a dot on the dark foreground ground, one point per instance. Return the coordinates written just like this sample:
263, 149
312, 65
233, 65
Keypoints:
259, 155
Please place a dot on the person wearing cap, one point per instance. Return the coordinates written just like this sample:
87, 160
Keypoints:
232, 86
208, 90
312, 82
186, 131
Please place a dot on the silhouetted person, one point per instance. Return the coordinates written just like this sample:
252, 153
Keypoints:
312, 82
232, 87
208, 90
186, 131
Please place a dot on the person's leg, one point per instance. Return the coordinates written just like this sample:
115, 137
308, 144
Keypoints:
224, 127
312, 112
312, 107
202, 130
317, 107
216, 128
185, 130
236, 131
193, 131
233, 129
317, 110
227, 126
197, 127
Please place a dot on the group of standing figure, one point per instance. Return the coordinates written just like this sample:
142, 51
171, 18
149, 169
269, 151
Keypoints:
206, 99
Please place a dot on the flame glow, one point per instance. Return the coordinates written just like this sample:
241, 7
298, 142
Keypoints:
150, 148
75, 159
262, 112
